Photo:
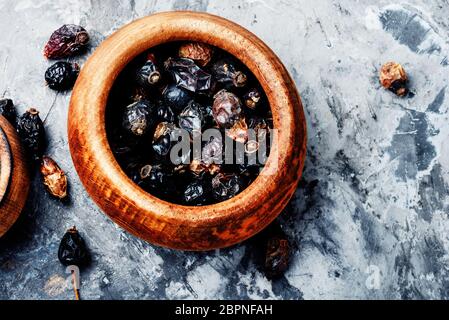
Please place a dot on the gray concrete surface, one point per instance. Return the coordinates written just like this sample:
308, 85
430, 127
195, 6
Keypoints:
370, 218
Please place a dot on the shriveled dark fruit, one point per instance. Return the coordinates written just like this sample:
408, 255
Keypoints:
191, 118
199, 52
225, 72
149, 74
226, 186
394, 78
252, 98
226, 109
212, 151
188, 75
157, 179
164, 139
198, 167
54, 178
137, 118
195, 193
139, 93
62, 75
8, 110
31, 131
239, 131
176, 97
72, 249
277, 256
208, 116
66, 41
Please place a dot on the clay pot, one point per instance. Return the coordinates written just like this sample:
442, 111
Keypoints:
157, 221
14, 178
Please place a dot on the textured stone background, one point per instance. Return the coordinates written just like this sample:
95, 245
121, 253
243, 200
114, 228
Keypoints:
374, 196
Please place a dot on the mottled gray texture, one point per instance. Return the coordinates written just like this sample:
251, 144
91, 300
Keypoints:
374, 195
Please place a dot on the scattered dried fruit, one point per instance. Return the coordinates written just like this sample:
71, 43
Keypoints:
54, 178
137, 118
149, 74
226, 186
199, 52
394, 78
8, 110
62, 75
72, 249
191, 118
66, 41
226, 73
252, 98
31, 131
226, 109
188, 75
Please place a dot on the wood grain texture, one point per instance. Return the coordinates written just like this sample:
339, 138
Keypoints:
5, 164
157, 221
16, 194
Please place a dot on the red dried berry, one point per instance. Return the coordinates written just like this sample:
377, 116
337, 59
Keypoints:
66, 41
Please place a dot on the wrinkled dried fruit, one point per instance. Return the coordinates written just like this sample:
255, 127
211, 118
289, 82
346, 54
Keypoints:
164, 112
277, 256
198, 167
239, 131
226, 73
195, 193
54, 178
226, 186
176, 97
8, 110
162, 129
67, 41
212, 151
72, 249
149, 74
199, 52
156, 179
188, 75
32, 134
191, 118
226, 109
62, 75
164, 139
252, 98
394, 78
137, 119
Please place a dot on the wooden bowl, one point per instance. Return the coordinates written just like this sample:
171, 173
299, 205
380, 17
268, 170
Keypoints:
159, 222
14, 178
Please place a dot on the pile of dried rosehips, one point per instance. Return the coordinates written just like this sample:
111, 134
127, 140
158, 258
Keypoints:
185, 90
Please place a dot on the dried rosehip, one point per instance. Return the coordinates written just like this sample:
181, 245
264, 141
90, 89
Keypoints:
156, 179
72, 249
62, 75
226, 109
226, 73
54, 178
212, 151
239, 131
137, 118
277, 256
164, 112
394, 78
252, 98
198, 167
176, 97
164, 139
66, 41
162, 129
199, 52
195, 193
149, 74
31, 131
188, 75
8, 110
226, 186
191, 118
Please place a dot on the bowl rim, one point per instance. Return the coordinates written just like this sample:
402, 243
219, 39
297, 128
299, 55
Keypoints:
121, 48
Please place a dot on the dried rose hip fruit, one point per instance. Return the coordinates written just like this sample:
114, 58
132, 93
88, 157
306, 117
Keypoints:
226, 109
252, 98
277, 256
31, 131
72, 249
394, 78
149, 74
226, 73
239, 131
199, 52
212, 151
54, 178
62, 75
188, 75
191, 118
137, 119
226, 186
8, 110
164, 112
176, 97
195, 193
164, 140
67, 41
198, 167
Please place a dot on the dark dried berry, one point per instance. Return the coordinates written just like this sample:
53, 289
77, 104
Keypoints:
198, 167
191, 118
62, 75
156, 179
137, 119
252, 98
195, 193
149, 74
188, 75
394, 78
165, 137
201, 53
164, 112
31, 132
226, 73
54, 178
176, 97
226, 109
72, 249
212, 151
8, 110
239, 131
277, 256
67, 41
226, 186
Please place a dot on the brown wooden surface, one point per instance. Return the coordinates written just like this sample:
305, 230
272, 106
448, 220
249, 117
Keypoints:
157, 221
16, 194
5, 164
